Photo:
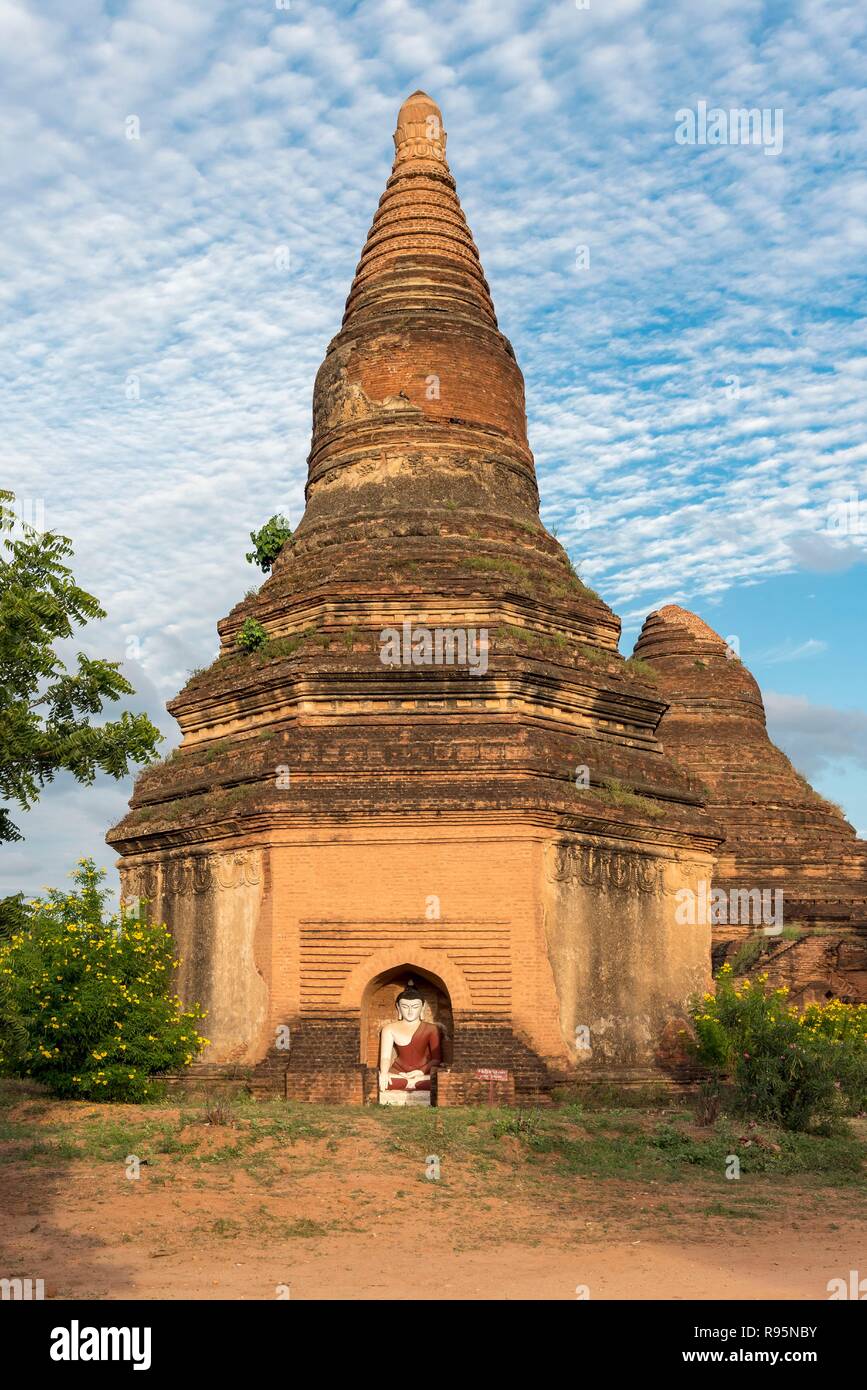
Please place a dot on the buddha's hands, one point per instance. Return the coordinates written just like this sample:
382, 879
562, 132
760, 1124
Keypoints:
412, 1079
383, 1080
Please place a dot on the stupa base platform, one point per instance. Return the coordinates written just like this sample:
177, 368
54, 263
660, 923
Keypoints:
482, 1086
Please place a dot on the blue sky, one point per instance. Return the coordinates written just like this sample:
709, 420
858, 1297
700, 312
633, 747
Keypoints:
696, 394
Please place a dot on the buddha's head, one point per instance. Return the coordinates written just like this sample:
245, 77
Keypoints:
409, 1004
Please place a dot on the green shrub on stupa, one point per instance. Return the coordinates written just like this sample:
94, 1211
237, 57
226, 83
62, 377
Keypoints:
93, 992
252, 635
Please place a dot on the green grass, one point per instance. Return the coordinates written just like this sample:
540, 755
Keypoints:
595, 656
517, 634
488, 564
613, 790
593, 1132
666, 1152
739, 1212
11, 1130
637, 666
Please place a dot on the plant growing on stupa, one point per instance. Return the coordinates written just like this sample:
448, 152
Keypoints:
46, 711
795, 1067
252, 635
268, 541
93, 993
748, 954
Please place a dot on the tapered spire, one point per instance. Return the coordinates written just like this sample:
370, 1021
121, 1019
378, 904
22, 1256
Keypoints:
419, 252
420, 401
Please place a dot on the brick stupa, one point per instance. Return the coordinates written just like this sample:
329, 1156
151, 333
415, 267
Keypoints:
512, 840
779, 832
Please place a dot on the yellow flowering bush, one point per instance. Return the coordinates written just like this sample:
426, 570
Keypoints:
795, 1067
95, 996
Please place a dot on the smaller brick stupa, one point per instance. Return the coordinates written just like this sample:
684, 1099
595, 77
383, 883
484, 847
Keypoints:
780, 833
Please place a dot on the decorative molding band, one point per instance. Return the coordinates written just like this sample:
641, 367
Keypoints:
181, 876
593, 866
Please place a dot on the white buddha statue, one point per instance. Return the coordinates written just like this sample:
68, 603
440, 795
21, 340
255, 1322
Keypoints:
409, 1052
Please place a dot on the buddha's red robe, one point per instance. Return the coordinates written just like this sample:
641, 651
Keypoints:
421, 1053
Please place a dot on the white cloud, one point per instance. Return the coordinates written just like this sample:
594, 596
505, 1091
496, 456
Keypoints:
816, 737
794, 651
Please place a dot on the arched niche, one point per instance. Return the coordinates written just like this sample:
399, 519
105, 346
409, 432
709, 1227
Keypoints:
378, 1007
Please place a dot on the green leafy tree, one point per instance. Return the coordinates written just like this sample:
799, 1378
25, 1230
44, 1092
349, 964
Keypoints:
45, 709
93, 993
268, 541
14, 917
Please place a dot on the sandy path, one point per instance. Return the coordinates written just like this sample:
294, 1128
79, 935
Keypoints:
353, 1268
97, 1236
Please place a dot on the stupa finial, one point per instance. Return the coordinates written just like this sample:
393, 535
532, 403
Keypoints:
420, 132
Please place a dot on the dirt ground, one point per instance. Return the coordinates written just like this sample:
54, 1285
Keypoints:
340, 1207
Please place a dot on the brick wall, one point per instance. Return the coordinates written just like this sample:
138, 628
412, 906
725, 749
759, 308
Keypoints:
466, 1088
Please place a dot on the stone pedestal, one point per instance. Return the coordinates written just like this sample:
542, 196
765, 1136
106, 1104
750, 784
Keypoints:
405, 1098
